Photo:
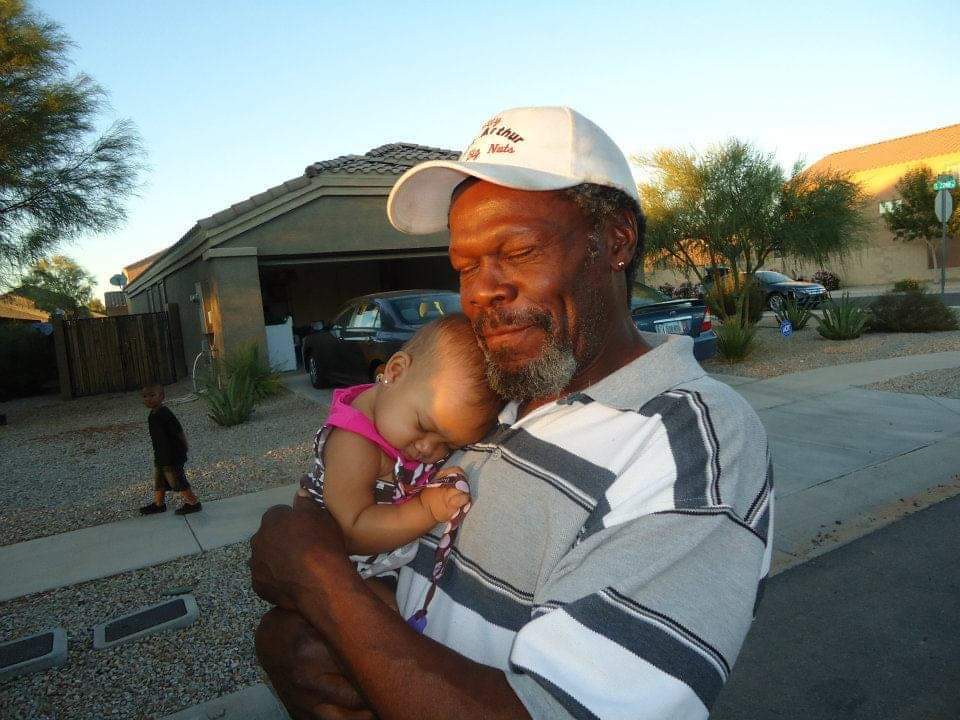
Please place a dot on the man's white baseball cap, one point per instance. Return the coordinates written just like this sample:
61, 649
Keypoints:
531, 148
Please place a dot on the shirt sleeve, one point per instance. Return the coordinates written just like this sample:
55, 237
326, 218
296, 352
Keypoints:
644, 617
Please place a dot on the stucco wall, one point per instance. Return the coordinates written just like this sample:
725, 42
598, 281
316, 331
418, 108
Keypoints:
179, 286
235, 303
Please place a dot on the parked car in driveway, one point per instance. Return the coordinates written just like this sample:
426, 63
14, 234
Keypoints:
777, 287
653, 311
367, 330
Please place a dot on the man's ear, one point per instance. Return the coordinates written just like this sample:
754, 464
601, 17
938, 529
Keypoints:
621, 238
396, 366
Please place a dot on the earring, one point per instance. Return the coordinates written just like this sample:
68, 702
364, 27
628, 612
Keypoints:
382, 379
621, 264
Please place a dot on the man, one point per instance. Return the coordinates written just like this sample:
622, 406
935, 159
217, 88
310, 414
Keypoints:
621, 526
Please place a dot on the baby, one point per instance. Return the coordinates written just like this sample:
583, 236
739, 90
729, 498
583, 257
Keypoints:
431, 398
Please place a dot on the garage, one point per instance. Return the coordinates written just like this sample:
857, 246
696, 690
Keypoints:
291, 255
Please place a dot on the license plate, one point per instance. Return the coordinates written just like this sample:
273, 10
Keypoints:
670, 327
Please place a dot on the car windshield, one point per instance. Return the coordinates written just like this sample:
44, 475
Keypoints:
770, 276
416, 310
645, 295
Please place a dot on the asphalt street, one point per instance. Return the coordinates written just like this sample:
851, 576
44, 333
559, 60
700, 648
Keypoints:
870, 630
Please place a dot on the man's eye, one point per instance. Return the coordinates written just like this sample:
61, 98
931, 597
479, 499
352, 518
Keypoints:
520, 254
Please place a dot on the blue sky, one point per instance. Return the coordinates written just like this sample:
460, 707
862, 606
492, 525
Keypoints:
232, 97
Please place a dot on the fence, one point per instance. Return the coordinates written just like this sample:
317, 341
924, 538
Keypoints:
118, 353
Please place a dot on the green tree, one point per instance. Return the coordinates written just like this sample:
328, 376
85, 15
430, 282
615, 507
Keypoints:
58, 284
733, 205
59, 177
96, 305
912, 217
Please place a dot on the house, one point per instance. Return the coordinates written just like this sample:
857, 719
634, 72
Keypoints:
877, 167
20, 309
293, 253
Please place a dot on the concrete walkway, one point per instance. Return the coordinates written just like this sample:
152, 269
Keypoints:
839, 452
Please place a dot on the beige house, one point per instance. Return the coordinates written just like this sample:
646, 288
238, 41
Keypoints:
16, 307
293, 254
877, 167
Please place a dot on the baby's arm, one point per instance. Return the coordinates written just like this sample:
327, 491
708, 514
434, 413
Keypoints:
353, 465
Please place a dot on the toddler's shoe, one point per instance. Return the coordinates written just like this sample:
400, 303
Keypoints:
188, 508
152, 509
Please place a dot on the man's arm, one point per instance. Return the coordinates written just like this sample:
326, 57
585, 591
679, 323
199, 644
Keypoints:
299, 562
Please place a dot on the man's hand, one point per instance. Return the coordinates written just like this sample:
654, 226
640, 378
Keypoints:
303, 672
293, 550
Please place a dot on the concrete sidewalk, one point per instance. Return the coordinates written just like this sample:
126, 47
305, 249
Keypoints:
841, 455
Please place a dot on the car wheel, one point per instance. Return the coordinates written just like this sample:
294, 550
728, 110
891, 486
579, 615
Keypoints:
775, 302
315, 372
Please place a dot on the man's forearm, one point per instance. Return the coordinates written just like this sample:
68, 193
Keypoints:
401, 673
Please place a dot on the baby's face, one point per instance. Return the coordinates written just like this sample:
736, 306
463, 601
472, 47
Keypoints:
423, 415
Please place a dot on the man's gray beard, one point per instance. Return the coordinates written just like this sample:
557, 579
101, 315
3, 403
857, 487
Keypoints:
546, 376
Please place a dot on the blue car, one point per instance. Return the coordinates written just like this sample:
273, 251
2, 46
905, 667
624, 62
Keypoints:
653, 311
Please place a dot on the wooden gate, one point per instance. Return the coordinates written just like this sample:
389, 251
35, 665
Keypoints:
118, 353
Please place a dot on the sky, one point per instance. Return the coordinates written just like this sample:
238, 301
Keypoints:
232, 97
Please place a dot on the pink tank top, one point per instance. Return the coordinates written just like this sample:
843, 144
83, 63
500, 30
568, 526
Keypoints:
343, 415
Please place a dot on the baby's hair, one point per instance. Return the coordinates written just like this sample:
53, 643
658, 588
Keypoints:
451, 339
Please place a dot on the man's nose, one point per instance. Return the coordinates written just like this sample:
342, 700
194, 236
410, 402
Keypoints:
489, 287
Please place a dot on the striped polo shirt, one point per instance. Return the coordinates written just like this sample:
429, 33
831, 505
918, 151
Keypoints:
616, 547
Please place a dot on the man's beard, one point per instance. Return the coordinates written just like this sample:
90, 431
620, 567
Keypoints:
552, 370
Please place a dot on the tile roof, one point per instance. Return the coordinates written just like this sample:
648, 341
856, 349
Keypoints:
392, 159
942, 141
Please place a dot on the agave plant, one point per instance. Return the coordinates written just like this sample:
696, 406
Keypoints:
798, 315
231, 405
842, 320
735, 339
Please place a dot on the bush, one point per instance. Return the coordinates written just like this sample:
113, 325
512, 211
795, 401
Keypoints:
842, 320
730, 306
798, 315
247, 363
232, 404
908, 285
829, 280
735, 339
666, 289
910, 311
685, 290
28, 361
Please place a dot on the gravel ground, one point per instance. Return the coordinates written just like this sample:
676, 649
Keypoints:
151, 677
804, 350
68, 464
943, 383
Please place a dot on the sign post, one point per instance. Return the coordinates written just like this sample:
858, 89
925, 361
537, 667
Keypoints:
943, 207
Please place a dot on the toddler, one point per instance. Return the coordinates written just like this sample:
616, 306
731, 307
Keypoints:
169, 455
431, 398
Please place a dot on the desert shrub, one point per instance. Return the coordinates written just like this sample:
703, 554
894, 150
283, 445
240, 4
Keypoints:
28, 361
666, 289
735, 339
843, 320
247, 362
231, 404
910, 311
729, 304
798, 315
829, 280
685, 290
908, 285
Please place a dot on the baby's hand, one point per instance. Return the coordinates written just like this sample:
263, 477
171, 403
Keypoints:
443, 502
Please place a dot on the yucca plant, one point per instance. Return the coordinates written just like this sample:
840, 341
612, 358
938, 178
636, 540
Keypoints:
735, 339
842, 320
247, 362
798, 315
231, 405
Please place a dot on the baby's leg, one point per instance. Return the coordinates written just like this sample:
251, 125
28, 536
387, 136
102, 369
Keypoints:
383, 590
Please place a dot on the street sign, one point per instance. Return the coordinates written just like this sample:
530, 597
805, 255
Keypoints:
943, 205
945, 182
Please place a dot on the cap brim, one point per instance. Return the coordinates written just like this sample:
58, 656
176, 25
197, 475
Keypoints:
420, 200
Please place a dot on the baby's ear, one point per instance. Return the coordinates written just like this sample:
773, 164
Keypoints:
396, 366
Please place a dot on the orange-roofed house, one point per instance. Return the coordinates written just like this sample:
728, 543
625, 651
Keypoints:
877, 167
